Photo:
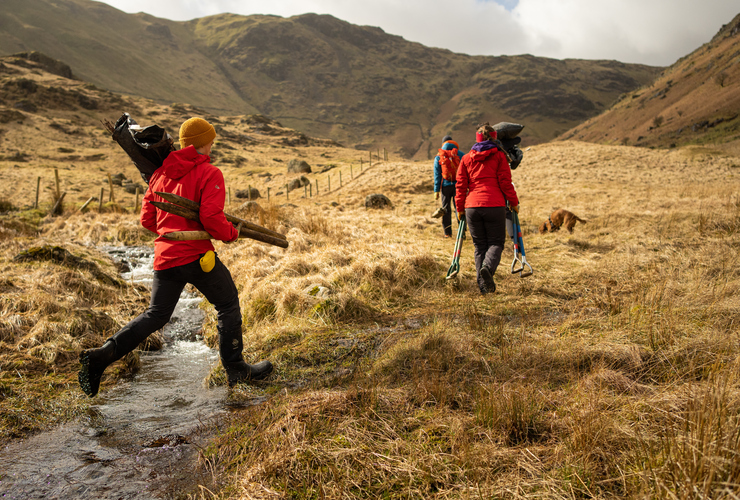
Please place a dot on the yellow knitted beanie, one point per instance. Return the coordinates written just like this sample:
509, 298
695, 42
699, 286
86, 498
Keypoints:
196, 131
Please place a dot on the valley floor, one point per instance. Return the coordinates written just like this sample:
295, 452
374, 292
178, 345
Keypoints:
612, 372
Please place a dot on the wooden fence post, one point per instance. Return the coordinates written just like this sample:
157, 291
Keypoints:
56, 178
38, 186
229, 195
268, 195
328, 183
249, 192
58, 204
340, 178
136, 203
317, 187
287, 196
110, 183
84, 206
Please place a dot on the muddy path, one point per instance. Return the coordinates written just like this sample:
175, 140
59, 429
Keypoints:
141, 438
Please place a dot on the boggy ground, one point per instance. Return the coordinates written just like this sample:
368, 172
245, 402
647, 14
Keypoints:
611, 372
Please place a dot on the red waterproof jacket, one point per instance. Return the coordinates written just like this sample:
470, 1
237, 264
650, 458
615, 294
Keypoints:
484, 180
188, 174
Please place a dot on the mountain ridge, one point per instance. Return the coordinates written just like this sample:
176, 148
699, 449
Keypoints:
694, 101
353, 84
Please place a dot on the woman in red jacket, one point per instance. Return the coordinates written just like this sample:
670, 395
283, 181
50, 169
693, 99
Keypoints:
483, 188
188, 173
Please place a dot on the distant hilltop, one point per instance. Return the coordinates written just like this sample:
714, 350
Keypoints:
353, 84
695, 101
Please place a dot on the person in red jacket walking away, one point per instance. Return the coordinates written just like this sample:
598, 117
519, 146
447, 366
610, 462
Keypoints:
483, 188
188, 173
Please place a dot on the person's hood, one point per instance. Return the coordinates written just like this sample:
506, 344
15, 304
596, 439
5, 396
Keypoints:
180, 162
450, 145
483, 149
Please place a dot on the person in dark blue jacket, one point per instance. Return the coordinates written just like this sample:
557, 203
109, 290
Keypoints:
446, 187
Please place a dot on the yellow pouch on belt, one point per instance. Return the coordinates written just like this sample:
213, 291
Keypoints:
208, 261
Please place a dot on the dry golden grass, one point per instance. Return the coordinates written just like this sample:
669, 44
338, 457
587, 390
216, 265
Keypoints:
610, 373
52, 308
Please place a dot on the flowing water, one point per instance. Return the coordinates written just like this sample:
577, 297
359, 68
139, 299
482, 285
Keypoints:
142, 437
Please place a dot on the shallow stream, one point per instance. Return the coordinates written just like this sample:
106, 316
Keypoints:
142, 436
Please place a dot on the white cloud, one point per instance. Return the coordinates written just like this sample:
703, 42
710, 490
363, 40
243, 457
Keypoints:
655, 32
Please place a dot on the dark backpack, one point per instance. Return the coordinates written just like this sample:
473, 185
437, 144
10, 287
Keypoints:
147, 147
449, 161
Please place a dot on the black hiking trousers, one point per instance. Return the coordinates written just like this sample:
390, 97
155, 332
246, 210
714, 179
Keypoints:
448, 201
218, 288
487, 226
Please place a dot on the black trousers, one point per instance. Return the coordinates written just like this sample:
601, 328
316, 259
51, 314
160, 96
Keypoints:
448, 201
218, 288
487, 226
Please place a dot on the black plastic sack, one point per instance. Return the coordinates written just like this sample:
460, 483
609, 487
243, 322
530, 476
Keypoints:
507, 130
507, 135
147, 147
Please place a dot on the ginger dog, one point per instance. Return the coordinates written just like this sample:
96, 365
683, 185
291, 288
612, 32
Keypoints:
559, 218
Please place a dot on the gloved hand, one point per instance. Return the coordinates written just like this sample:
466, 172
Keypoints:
461, 215
436, 195
238, 230
515, 208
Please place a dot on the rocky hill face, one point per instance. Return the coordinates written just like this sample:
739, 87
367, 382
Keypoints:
695, 101
50, 121
354, 84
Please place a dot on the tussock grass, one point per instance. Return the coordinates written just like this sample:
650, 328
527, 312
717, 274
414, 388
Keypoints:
56, 299
6, 205
609, 373
698, 451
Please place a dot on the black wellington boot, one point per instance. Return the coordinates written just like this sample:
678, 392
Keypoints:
241, 371
237, 370
94, 362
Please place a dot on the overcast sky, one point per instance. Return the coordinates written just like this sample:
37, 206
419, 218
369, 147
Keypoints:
655, 32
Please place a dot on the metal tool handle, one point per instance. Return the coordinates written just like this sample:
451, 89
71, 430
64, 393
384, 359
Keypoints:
524, 274
454, 269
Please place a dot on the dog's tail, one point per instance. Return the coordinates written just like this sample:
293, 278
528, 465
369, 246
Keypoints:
580, 220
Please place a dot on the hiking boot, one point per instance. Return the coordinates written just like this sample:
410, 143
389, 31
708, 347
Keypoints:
488, 283
240, 371
438, 213
94, 362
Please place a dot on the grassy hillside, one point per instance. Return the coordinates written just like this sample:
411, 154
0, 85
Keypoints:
137, 55
354, 84
695, 101
612, 372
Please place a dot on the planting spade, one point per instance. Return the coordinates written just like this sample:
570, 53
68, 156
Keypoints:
455, 266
